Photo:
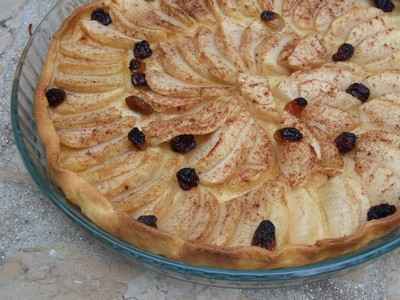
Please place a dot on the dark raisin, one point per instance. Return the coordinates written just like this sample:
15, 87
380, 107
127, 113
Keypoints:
137, 137
264, 236
137, 104
380, 211
296, 106
142, 50
385, 5
148, 220
289, 134
101, 16
273, 20
187, 178
135, 65
139, 79
345, 52
346, 142
359, 91
55, 96
183, 143
268, 15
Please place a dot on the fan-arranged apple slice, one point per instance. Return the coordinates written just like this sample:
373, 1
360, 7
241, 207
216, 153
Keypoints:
218, 66
251, 37
342, 26
85, 137
308, 53
202, 120
268, 53
228, 38
376, 159
175, 65
257, 92
106, 35
344, 202
122, 22
149, 15
192, 215
85, 51
378, 46
306, 220
383, 83
383, 112
77, 103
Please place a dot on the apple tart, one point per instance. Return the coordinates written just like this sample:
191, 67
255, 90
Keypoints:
239, 134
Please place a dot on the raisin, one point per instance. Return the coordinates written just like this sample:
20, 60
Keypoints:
268, 15
101, 16
346, 142
385, 5
359, 91
55, 96
187, 178
289, 134
264, 236
380, 211
137, 104
137, 137
135, 65
148, 220
139, 79
345, 52
142, 50
296, 106
273, 20
183, 143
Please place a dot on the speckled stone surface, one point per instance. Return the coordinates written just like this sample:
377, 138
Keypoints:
43, 255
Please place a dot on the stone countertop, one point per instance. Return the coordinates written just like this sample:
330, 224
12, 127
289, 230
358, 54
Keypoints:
43, 255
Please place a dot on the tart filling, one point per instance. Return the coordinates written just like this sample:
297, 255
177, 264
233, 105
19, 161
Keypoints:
238, 134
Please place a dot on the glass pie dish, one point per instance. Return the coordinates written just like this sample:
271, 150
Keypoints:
32, 152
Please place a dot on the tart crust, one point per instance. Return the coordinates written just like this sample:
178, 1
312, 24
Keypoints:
99, 209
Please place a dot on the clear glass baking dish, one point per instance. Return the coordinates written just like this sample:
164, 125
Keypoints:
32, 153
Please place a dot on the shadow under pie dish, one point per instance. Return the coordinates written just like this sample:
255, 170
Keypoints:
239, 134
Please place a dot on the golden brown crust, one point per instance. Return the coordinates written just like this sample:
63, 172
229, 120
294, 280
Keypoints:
99, 209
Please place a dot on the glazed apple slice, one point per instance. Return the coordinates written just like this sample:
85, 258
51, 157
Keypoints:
192, 215
166, 85
175, 65
228, 38
383, 83
309, 52
366, 29
79, 138
78, 102
202, 120
102, 116
106, 35
171, 8
211, 57
306, 221
383, 112
344, 202
341, 27
80, 160
148, 14
257, 92
377, 46
84, 51
83, 67
268, 53
132, 29
376, 152
251, 37
88, 84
